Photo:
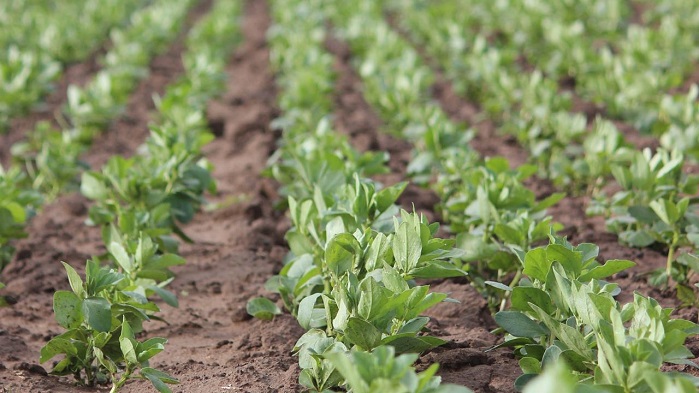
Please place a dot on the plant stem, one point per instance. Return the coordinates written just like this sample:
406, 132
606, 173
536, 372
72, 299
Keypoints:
671, 257
514, 282
124, 377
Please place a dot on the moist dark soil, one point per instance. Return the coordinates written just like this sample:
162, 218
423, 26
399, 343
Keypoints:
214, 346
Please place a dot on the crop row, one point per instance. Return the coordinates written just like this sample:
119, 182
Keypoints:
139, 203
562, 310
49, 162
552, 275
349, 275
41, 38
656, 203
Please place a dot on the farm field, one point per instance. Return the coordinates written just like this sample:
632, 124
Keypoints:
337, 135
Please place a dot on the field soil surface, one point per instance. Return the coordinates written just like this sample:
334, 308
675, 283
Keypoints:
214, 346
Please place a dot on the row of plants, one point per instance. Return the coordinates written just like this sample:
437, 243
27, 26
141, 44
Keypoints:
557, 291
349, 277
527, 105
592, 45
656, 204
42, 38
49, 161
140, 203
52, 157
484, 201
622, 65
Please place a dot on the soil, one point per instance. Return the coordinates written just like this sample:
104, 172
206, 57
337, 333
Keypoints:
214, 346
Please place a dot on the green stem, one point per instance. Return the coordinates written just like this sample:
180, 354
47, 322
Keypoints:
121, 381
328, 317
514, 282
671, 256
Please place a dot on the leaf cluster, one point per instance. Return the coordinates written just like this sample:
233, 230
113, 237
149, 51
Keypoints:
52, 157
565, 312
42, 39
657, 204
102, 316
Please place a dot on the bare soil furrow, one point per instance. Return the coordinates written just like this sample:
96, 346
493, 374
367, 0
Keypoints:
214, 345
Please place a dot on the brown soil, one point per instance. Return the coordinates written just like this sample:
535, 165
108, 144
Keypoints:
214, 346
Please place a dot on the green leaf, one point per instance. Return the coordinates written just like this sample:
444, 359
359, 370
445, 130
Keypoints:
167, 296
536, 264
347, 365
341, 253
637, 238
408, 343
530, 365
610, 267
305, 311
150, 348
392, 280
159, 379
437, 269
98, 313
522, 296
575, 361
549, 201
666, 210
262, 308
414, 325
407, 247
67, 307
388, 196
76, 283
498, 285
569, 259
519, 325
643, 214
362, 333
58, 345
127, 343
121, 257
92, 187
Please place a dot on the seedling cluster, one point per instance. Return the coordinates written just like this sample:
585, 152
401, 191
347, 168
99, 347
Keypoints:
570, 83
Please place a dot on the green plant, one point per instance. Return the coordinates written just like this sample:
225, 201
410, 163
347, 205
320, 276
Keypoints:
656, 204
382, 371
565, 312
139, 203
102, 317
495, 216
17, 204
349, 275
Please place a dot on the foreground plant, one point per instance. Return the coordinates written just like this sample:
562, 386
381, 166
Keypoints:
102, 317
565, 312
382, 371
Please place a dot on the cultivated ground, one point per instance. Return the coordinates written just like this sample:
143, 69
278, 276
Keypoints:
214, 346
